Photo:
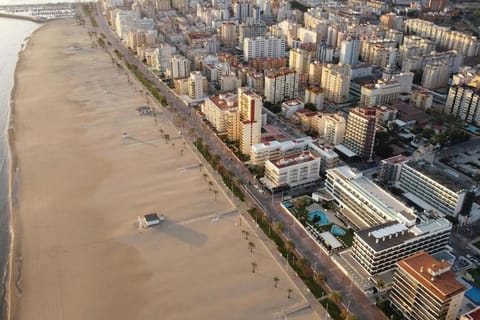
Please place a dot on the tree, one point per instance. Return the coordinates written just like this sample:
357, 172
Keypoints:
278, 226
254, 267
346, 315
215, 192
335, 296
205, 176
320, 277
289, 293
290, 246
303, 263
275, 281
246, 233
210, 185
251, 246
166, 137
310, 106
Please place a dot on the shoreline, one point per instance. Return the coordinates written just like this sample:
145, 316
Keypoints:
12, 268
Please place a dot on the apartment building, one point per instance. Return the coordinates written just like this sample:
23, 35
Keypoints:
336, 82
378, 248
292, 171
180, 67
251, 29
299, 59
350, 51
281, 85
436, 75
328, 158
421, 99
463, 102
417, 63
360, 132
263, 47
334, 129
275, 150
432, 188
315, 95
196, 84
380, 93
250, 118
217, 110
228, 34
363, 203
425, 288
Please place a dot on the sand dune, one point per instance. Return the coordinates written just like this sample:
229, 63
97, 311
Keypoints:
82, 187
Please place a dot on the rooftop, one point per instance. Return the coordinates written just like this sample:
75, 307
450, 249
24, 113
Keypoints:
472, 315
390, 206
391, 239
303, 157
433, 275
438, 175
225, 101
396, 159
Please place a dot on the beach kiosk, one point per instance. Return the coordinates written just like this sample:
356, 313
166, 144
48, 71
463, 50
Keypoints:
152, 219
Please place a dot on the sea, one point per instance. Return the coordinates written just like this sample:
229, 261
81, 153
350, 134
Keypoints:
14, 36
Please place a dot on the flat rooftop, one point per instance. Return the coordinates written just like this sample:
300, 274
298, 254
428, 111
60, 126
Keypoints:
438, 175
303, 157
434, 275
396, 159
394, 208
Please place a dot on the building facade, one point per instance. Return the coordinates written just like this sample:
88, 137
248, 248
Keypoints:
360, 132
281, 85
463, 102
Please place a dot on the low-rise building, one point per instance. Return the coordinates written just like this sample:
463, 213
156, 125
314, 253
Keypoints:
290, 107
275, 150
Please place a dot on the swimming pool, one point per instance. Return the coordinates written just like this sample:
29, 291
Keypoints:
473, 294
338, 231
323, 217
287, 204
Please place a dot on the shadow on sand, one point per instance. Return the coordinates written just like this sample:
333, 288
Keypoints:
183, 233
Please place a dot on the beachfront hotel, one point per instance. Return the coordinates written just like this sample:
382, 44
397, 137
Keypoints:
378, 248
275, 150
426, 289
292, 171
217, 110
362, 203
431, 188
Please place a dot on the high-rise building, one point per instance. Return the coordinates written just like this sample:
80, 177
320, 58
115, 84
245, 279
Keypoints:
263, 47
196, 83
336, 82
463, 102
334, 129
360, 132
281, 85
425, 288
300, 60
242, 9
228, 34
437, 5
250, 118
251, 30
349, 51
436, 75
379, 93
218, 108
378, 248
315, 73
180, 67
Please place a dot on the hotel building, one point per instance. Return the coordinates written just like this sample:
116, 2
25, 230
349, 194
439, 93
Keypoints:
463, 102
431, 188
426, 289
275, 150
362, 202
378, 248
217, 110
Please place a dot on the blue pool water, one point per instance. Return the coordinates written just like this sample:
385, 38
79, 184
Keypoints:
336, 230
472, 128
287, 204
323, 217
474, 295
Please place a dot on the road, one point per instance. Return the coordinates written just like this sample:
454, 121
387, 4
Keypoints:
352, 296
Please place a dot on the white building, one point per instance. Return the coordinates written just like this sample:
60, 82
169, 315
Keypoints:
336, 82
315, 95
463, 102
180, 67
280, 86
250, 118
379, 93
275, 150
350, 51
263, 47
218, 108
436, 75
334, 129
290, 107
292, 171
195, 85
362, 203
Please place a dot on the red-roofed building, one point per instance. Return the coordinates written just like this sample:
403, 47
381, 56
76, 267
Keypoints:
426, 289
472, 315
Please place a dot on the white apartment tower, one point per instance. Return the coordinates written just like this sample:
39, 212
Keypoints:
350, 51
280, 86
463, 102
336, 82
180, 67
195, 85
263, 47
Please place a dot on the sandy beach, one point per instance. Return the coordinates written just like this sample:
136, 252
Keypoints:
79, 251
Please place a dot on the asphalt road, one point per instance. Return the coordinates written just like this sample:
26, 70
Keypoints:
353, 297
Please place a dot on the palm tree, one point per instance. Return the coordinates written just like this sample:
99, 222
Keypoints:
320, 277
303, 263
275, 281
335, 296
246, 233
173, 145
205, 176
210, 184
251, 246
254, 267
215, 192
278, 226
289, 293
166, 137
